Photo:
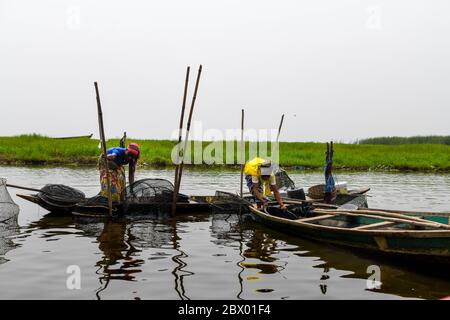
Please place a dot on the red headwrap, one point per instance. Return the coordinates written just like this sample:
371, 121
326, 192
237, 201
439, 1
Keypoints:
134, 149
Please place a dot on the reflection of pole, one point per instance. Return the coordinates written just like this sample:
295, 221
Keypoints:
179, 285
239, 264
242, 160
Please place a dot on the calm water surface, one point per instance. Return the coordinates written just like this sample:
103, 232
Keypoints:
202, 256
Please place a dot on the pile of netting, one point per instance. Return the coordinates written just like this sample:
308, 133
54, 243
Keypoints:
8, 208
282, 179
61, 195
229, 202
143, 196
150, 195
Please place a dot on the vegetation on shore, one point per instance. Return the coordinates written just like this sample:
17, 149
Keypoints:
36, 149
407, 140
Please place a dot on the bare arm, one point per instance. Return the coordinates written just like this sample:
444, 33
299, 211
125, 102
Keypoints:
256, 192
277, 196
131, 172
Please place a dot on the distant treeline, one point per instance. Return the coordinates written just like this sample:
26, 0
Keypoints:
407, 140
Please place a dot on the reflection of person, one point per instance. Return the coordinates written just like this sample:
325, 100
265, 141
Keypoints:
261, 181
118, 251
117, 158
112, 241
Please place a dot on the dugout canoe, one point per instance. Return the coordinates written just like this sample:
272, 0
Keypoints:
397, 236
189, 206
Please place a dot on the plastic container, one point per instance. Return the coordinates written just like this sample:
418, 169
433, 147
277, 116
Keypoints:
341, 187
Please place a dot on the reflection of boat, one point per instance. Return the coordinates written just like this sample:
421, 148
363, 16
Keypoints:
398, 277
393, 234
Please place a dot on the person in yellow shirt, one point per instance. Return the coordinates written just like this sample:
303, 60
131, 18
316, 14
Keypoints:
261, 181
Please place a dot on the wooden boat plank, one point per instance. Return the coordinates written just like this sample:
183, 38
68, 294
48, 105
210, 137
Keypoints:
375, 225
318, 218
405, 219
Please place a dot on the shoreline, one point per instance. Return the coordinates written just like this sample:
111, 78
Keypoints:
35, 150
206, 167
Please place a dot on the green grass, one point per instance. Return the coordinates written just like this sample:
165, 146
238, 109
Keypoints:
38, 150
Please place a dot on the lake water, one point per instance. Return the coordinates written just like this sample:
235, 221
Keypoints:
203, 256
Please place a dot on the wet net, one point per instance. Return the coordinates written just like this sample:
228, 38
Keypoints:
8, 208
143, 196
284, 182
224, 201
150, 195
60, 194
293, 212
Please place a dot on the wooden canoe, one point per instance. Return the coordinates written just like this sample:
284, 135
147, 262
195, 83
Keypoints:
370, 232
190, 206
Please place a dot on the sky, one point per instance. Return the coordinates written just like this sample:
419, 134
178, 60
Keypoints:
339, 70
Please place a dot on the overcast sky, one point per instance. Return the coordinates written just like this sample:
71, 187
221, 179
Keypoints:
339, 70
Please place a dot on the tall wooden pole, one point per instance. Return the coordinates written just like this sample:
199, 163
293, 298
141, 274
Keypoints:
103, 142
242, 160
180, 133
279, 128
188, 128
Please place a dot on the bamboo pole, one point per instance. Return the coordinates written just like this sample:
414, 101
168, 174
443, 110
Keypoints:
103, 143
242, 160
279, 128
25, 188
180, 133
188, 128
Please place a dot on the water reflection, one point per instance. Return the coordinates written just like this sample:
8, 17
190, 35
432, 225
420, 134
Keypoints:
118, 261
205, 257
266, 263
9, 228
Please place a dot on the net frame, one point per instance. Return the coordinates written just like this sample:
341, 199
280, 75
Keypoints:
5, 197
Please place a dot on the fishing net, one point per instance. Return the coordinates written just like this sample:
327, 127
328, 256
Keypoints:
8, 208
224, 201
359, 200
149, 195
143, 196
59, 194
284, 182
293, 212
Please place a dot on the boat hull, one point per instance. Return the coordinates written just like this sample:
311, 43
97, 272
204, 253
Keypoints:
182, 207
425, 245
